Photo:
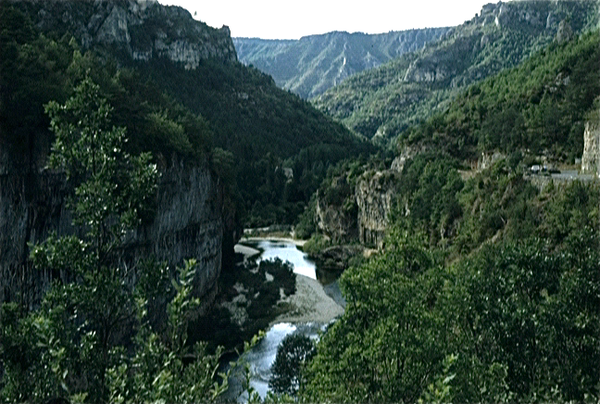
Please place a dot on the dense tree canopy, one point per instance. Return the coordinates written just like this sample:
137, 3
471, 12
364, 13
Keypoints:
92, 339
516, 319
539, 106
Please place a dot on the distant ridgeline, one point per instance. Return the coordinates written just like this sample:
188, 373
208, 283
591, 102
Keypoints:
261, 127
311, 65
383, 102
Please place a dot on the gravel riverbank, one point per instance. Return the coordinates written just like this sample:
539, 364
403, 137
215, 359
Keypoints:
310, 303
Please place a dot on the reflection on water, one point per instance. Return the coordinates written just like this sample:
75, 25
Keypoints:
286, 251
262, 356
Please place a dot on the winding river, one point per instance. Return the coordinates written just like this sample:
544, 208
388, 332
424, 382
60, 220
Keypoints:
262, 356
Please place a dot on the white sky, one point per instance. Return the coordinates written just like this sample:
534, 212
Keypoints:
284, 19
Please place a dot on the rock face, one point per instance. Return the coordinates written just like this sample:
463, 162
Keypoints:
487, 160
590, 161
336, 211
361, 212
188, 224
142, 29
311, 65
190, 221
443, 64
375, 197
458, 59
334, 222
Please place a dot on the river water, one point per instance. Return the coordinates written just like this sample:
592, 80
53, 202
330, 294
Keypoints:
286, 251
262, 356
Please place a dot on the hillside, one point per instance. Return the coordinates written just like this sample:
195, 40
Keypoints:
485, 287
381, 103
538, 108
534, 113
262, 126
311, 65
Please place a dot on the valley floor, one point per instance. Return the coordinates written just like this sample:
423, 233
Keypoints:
309, 303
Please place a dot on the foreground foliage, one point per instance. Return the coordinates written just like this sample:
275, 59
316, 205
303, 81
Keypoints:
292, 355
517, 320
92, 339
488, 290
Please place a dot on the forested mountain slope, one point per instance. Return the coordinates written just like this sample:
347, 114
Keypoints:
385, 101
539, 107
311, 65
533, 113
486, 287
263, 126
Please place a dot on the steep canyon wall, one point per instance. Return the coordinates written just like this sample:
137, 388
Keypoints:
188, 224
190, 221
141, 29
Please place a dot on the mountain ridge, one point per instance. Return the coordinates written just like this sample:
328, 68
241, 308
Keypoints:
312, 64
139, 29
383, 102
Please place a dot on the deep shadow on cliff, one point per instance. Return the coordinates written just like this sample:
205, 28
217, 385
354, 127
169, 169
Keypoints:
193, 215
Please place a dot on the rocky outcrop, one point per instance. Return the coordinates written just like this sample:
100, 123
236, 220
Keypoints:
336, 211
360, 212
406, 153
375, 196
487, 160
142, 29
188, 224
459, 57
564, 33
443, 64
334, 222
590, 160
337, 258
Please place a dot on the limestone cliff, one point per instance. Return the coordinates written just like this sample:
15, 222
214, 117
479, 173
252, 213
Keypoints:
359, 211
188, 224
590, 161
463, 55
336, 211
375, 197
141, 29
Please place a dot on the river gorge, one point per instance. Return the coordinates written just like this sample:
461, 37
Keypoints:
313, 306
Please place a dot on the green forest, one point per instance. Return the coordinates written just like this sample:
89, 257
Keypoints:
384, 102
487, 291
486, 287
539, 106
